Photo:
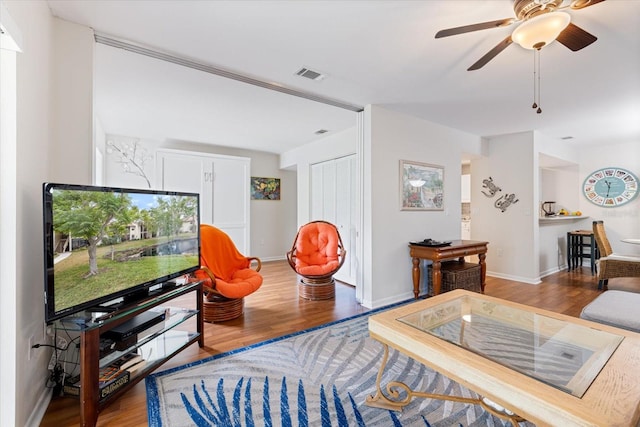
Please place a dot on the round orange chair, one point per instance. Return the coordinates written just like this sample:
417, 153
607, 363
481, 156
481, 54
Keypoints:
227, 274
316, 255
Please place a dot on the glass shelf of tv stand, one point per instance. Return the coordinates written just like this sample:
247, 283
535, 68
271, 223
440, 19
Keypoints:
90, 319
161, 344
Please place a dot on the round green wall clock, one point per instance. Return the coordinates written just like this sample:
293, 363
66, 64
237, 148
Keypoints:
610, 187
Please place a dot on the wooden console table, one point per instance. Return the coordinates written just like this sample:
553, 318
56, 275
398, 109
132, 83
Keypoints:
457, 249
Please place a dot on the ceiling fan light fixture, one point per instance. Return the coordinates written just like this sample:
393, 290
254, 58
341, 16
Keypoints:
540, 30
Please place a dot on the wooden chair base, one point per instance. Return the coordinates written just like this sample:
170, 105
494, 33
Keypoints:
317, 289
222, 309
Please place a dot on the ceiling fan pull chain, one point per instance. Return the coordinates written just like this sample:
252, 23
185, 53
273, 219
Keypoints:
539, 110
536, 81
535, 94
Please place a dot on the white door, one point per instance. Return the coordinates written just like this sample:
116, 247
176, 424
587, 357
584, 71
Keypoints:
346, 217
231, 199
223, 185
333, 199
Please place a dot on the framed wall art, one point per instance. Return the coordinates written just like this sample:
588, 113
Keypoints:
265, 188
421, 186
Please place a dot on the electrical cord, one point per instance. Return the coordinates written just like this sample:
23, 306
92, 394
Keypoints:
56, 379
57, 375
55, 347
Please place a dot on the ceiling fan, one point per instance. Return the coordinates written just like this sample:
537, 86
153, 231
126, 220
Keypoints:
541, 22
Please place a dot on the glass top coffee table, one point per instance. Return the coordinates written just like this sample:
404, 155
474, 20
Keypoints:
525, 363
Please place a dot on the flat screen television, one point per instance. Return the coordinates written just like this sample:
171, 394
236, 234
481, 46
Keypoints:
105, 246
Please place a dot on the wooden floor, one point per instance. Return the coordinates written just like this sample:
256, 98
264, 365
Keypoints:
276, 310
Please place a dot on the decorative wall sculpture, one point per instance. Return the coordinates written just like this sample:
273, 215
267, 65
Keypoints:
132, 156
505, 201
490, 186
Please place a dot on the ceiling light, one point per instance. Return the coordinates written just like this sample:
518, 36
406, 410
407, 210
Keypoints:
541, 30
534, 34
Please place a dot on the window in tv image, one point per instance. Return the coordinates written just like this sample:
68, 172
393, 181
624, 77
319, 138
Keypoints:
108, 242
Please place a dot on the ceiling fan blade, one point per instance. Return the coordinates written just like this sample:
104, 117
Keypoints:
581, 4
475, 27
575, 38
491, 54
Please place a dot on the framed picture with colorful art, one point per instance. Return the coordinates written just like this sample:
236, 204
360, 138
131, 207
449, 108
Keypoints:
421, 186
265, 188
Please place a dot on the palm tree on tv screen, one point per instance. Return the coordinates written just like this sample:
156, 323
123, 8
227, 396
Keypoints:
89, 215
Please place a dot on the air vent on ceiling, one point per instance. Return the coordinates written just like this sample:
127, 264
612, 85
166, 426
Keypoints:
310, 74
566, 138
321, 131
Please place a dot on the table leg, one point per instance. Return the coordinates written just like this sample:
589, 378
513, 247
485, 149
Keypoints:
569, 250
580, 250
436, 276
416, 277
483, 270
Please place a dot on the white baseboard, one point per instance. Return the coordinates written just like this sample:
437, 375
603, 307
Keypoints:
273, 258
37, 414
387, 301
552, 271
529, 280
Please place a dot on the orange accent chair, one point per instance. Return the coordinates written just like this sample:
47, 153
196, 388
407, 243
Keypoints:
228, 275
316, 255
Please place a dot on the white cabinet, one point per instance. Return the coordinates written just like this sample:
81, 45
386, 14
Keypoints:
221, 181
333, 199
465, 188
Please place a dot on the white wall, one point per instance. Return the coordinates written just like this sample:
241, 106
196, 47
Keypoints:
620, 222
99, 143
512, 235
54, 86
389, 138
332, 146
10, 44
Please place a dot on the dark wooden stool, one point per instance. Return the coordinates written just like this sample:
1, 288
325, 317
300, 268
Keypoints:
576, 245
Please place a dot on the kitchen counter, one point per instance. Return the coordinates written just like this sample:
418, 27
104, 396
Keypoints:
561, 218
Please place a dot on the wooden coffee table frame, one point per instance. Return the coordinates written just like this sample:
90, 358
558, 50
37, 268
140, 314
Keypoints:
613, 399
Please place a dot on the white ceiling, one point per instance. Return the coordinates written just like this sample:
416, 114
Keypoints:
373, 52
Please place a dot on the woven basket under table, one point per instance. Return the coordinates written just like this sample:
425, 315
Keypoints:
457, 275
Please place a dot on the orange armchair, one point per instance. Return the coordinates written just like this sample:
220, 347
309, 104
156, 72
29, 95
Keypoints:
316, 255
228, 275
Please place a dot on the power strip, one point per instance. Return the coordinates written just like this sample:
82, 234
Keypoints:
61, 345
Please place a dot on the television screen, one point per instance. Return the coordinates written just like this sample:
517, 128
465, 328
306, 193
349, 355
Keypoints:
102, 243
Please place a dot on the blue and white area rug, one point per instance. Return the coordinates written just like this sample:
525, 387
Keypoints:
317, 377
